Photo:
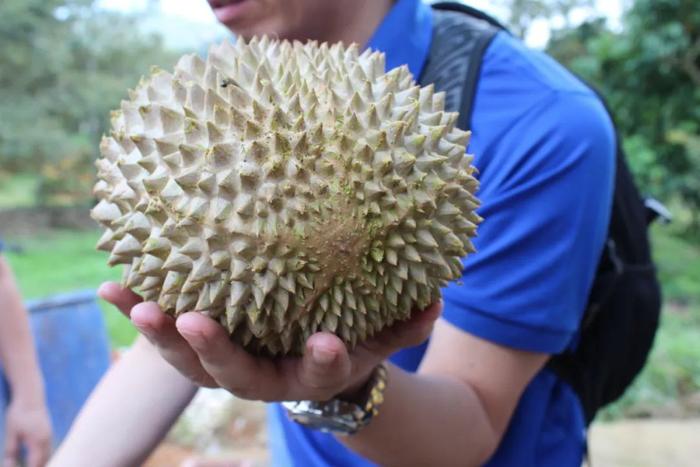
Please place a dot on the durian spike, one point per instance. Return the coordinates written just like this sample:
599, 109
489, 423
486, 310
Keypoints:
287, 188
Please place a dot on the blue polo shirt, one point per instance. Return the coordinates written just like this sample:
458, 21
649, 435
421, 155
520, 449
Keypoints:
544, 147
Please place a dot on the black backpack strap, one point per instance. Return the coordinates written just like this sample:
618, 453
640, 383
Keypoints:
470, 11
461, 35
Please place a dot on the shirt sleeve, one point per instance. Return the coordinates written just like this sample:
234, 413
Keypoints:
546, 191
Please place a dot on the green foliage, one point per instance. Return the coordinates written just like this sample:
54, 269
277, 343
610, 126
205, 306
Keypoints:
64, 261
522, 13
650, 75
65, 65
17, 190
67, 181
678, 264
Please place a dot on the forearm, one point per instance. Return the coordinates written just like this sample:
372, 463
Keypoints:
426, 420
129, 412
17, 352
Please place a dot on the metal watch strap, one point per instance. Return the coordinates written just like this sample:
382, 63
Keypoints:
340, 416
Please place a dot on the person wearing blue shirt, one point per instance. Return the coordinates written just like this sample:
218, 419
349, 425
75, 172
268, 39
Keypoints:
478, 391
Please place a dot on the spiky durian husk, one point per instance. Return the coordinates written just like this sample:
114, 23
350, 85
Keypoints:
286, 188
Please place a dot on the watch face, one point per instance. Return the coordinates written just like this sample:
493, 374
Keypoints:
325, 423
334, 416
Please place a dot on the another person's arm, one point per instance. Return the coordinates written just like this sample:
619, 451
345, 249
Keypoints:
27, 422
129, 412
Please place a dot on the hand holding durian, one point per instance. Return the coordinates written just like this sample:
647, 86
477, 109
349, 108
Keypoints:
285, 190
202, 350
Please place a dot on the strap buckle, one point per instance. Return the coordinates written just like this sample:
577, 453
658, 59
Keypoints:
655, 209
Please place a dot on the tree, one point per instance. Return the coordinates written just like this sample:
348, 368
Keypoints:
522, 13
649, 73
65, 64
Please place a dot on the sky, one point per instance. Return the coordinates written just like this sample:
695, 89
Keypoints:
198, 13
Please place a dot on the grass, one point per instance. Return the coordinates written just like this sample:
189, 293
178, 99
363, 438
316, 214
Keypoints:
65, 261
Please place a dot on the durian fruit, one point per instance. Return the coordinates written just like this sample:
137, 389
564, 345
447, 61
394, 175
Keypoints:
284, 189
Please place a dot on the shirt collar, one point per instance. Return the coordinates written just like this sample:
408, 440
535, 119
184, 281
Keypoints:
405, 35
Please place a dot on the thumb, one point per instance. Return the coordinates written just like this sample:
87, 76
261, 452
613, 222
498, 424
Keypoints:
418, 328
408, 333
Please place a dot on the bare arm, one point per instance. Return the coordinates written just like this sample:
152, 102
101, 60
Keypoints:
458, 404
17, 352
27, 417
129, 412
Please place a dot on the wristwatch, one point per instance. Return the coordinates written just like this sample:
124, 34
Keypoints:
340, 416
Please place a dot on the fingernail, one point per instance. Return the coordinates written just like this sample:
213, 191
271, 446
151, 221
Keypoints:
145, 330
322, 356
194, 338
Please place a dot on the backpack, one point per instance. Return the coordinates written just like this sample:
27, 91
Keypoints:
622, 314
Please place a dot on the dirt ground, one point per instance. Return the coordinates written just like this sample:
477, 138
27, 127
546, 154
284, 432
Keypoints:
219, 427
646, 443
236, 434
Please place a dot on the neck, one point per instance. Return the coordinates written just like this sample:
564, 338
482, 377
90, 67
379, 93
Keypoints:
356, 22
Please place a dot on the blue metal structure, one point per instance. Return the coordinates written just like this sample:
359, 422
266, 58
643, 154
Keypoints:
74, 353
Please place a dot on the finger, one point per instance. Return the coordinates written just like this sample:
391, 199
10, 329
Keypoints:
123, 299
409, 333
160, 329
324, 370
228, 364
11, 448
38, 453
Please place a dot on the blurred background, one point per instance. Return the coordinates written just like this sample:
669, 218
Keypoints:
64, 64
